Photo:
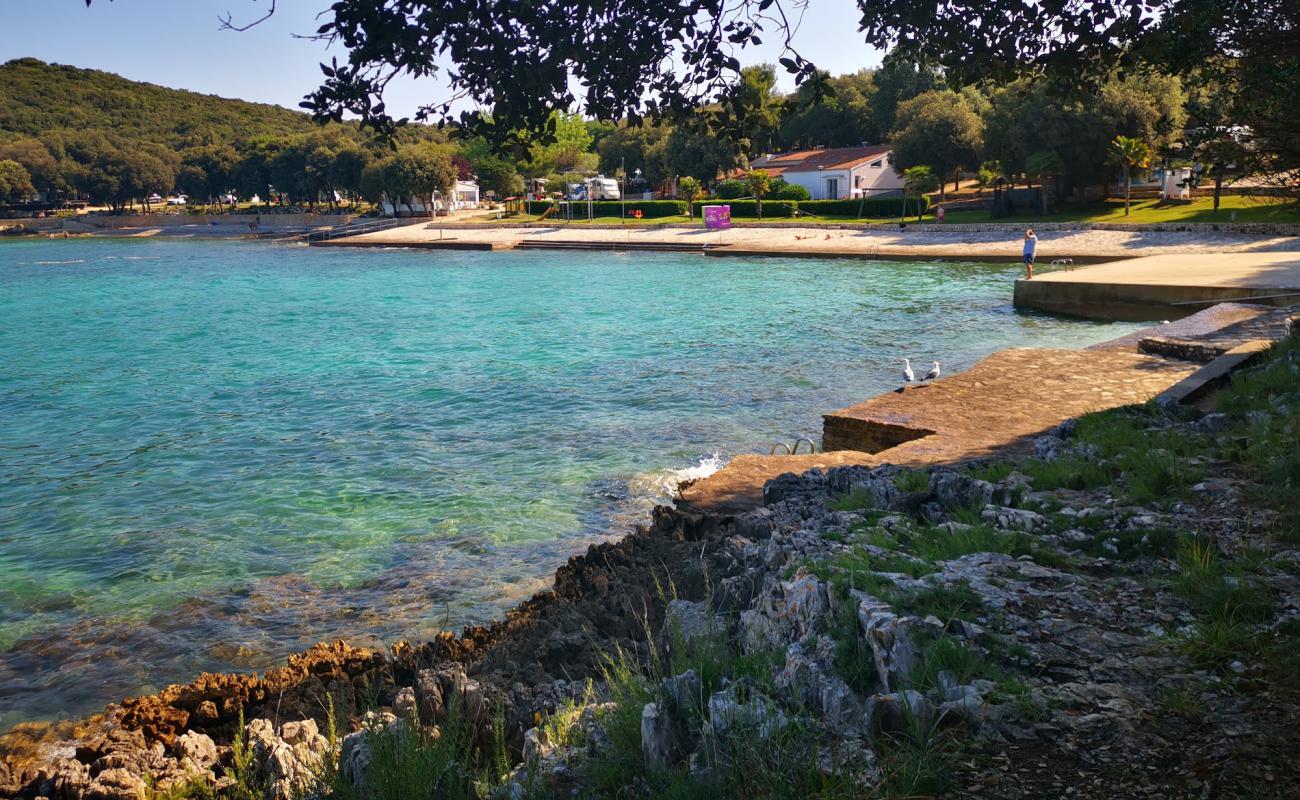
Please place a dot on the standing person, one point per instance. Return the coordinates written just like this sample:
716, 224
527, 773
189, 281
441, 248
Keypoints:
1031, 249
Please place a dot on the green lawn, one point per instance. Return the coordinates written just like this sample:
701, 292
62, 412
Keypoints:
1248, 209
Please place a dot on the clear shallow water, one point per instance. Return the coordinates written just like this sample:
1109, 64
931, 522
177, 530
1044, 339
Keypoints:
216, 453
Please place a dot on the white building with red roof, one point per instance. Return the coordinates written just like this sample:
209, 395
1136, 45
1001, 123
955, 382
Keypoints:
836, 173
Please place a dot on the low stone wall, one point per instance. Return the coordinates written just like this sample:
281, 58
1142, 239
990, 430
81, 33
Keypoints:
33, 224
866, 436
241, 220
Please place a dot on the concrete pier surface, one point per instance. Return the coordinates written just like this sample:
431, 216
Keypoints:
1165, 286
999, 405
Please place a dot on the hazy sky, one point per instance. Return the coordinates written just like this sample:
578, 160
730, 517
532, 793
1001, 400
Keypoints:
177, 43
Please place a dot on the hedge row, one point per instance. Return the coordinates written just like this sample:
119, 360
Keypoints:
749, 208
871, 207
876, 207
650, 209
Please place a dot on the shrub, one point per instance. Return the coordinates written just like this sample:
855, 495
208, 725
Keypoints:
780, 190
651, 209
866, 207
732, 188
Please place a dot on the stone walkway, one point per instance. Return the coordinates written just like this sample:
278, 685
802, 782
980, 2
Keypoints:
999, 405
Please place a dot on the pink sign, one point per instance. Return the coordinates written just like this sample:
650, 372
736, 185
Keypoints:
717, 217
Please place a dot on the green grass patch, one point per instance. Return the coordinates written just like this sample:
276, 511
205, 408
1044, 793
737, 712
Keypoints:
917, 763
1131, 545
854, 660
782, 764
1071, 472
910, 480
946, 654
1230, 606
1151, 476
855, 500
899, 563
1153, 211
993, 471
947, 603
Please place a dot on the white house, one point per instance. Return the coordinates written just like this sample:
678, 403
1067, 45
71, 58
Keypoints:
836, 173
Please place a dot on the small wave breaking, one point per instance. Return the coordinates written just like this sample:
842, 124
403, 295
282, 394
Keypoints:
663, 485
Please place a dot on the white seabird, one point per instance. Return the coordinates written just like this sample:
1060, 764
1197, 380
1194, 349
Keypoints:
933, 374
909, 377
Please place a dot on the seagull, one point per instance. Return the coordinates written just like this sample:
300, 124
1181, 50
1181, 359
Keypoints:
908, 376
933, 374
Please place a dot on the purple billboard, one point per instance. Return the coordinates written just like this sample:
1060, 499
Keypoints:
717, 217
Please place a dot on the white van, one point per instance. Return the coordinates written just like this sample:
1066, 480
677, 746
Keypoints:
602, 188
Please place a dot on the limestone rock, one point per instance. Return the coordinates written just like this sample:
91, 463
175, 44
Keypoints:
682, 691
891, 640
405, 705
898, 713
741, 709
790, 611
659, 743
195, 751
1014, 519
435, 687
289, 760
116, 784
955, 490
876, 485
689, 621
810, 682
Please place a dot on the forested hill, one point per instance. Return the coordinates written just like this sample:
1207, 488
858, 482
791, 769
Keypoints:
37, 98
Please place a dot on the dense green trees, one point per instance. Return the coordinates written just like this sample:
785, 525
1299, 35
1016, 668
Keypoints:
1025, 119
412, 172
843, 119
15, 181
937, 129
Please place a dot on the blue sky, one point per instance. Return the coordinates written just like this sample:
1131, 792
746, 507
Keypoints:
177, 43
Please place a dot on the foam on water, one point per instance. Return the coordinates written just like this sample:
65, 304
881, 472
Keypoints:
662, 486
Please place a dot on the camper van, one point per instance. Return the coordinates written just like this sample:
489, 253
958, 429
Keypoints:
602, 188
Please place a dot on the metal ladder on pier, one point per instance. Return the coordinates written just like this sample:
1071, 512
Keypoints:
794, 451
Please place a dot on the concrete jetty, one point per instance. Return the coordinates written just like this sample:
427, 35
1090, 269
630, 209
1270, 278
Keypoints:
1000, 404
1164, 286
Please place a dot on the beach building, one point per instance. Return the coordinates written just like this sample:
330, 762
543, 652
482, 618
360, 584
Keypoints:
466, 194
836, 173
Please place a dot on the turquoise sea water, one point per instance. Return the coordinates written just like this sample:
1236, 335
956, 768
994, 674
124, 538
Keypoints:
214, 453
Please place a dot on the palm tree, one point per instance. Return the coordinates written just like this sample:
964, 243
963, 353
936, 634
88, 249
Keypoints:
918, 181
1130, 153
759, 183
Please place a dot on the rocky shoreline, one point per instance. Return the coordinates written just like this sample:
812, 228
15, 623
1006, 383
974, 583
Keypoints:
1118, 616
